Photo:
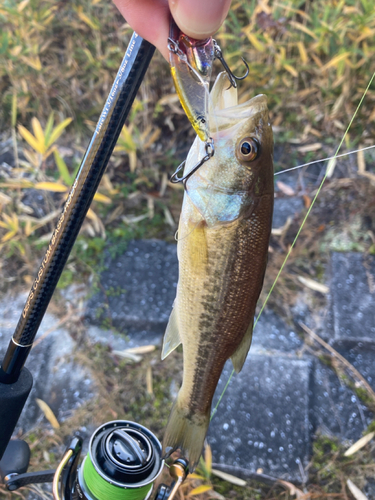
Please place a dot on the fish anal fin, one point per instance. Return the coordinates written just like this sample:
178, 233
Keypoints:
171, 336
239, 357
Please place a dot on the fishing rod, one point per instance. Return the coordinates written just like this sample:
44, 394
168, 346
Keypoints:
124, 458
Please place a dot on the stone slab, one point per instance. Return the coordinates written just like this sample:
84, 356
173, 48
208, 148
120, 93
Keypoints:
335, 409
58, 379
263, 419
284, 208
139, 289
353, 296
272, 334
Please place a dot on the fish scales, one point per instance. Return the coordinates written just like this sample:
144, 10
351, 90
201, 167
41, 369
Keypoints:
223, 240
224, 308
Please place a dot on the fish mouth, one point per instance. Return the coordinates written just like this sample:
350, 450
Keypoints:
257, 104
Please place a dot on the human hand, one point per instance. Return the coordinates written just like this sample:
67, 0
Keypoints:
196, 18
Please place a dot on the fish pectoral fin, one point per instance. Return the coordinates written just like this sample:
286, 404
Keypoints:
239, 357
172, 336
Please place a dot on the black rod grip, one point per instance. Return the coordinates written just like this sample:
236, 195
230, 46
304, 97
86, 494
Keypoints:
12, 400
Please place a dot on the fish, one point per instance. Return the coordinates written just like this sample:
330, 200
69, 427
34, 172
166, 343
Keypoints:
223, 239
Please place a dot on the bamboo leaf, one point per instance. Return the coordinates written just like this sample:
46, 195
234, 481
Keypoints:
255, 42
208, 459
102, 198
4, 199
14, 109
48, 413
335, 60
355, 491
193, 475
228, 477
48, 130
58, 130
359, 444
200, 489
63, 169
142, 349
314, 285
38, 131
93, 24
302, 27
31, 140
149, 381
8, 236
291, 70
55, 187
302, 52
22, 5
310, 147
331, 167
92, 215
33, 62
361, 162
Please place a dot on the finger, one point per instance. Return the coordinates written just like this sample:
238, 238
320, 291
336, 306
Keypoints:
150, 19
199, 18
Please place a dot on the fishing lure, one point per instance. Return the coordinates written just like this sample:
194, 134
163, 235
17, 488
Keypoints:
191, 63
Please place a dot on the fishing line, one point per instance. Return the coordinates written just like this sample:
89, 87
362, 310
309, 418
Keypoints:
324, 159
299, 231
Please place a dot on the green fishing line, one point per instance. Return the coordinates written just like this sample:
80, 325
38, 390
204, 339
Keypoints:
103, 490
299, 231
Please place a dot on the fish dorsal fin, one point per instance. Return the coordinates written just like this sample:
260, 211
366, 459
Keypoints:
239, 357
172, 336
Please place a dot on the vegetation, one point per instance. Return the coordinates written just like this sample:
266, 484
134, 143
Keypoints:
313, 58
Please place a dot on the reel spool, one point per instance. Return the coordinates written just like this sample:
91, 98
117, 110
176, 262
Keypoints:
123, 461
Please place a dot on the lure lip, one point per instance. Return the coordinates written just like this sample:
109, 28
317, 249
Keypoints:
251, 107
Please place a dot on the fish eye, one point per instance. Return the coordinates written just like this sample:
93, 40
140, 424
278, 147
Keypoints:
248, 149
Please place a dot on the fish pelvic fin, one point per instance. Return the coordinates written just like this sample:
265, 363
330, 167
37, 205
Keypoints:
187, 432
239, 357
172, 336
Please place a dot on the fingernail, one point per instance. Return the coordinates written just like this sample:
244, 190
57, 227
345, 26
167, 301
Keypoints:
199, 18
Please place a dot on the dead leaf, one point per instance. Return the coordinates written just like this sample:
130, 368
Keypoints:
4, 199
228, 477
359, 444
331, 167
314, 285
361, 162
149, 383
279, 231
355, 491
310, 147
55, 187
284, 188
48, 413
142, 349
128, 355
293, 489
200, 489
306, 200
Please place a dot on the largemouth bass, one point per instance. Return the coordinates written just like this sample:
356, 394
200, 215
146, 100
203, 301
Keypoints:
223, 240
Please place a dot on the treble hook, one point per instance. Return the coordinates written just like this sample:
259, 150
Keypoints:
232, 77
210, 151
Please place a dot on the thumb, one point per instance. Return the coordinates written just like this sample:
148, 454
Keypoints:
199, 18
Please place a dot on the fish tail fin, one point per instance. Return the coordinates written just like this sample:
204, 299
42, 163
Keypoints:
186, 432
